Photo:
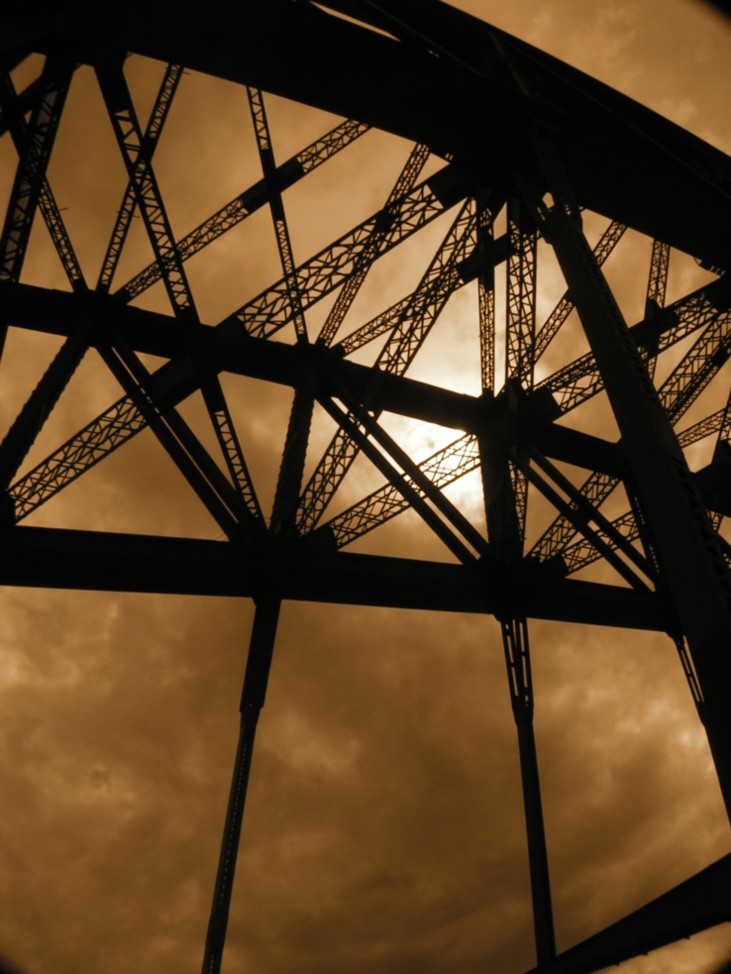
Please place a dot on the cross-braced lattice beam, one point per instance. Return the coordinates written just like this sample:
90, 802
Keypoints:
32, 165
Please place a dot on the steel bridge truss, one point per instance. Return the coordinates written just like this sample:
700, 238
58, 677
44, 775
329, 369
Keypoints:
509, 219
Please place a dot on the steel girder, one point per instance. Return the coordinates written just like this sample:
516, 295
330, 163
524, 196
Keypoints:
623, 160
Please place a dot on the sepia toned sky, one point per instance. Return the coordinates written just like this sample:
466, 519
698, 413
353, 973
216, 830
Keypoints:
383, 831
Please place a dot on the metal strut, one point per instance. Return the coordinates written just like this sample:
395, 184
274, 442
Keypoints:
160, 109
136, 150
31, 172
505, 528
521, 296
409, 333
321, 274
359, 429
26, 426
486, 296
677, 394
578, 381
281, 230
404, 184
261, 647
517, 659
552, 325
32, 165
294, 454
442, 468
12, 111
248, 202
686, 545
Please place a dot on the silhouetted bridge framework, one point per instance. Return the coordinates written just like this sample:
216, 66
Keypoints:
520, 137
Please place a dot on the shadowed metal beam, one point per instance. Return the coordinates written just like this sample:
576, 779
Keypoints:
100, 561
700, 902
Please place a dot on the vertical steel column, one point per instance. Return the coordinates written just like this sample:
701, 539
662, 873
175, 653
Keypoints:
261, 647
686, 546
521, 295
505, 538
517, 658
289, 482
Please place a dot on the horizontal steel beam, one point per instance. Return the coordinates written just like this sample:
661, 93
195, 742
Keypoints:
100, 561
56, 312
228, 348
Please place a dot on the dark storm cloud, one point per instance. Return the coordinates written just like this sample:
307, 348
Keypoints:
105, 829
384, 817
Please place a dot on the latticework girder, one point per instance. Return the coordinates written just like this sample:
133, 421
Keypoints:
127, 207
409, 330
30, 177
319, 276
403, 185
249, 201
16, 124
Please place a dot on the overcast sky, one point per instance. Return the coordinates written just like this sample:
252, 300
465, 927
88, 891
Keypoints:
383, 831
